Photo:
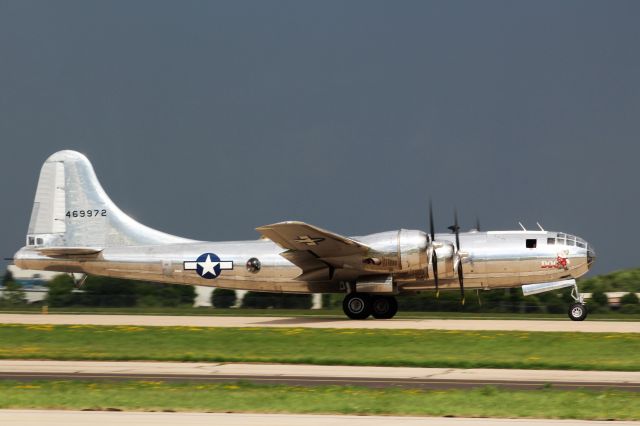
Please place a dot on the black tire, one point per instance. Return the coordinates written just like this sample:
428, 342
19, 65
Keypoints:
357, 306
577, 312
384, 307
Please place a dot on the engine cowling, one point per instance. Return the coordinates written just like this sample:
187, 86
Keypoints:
408, 251
397, 251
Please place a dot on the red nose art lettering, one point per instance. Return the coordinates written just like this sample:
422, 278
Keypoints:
561, 262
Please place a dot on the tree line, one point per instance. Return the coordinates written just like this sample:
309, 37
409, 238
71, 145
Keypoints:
112, 292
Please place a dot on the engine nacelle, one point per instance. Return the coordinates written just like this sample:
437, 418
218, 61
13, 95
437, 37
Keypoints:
397, 251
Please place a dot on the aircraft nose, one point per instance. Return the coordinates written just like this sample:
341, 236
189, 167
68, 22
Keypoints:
591, 255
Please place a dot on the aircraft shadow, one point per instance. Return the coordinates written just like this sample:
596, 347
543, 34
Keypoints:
301, 321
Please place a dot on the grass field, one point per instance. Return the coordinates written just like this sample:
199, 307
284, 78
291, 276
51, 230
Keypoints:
420, 348
244, 397
323, 313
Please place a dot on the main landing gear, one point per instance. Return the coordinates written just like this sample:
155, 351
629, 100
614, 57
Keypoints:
577, 310
361, 305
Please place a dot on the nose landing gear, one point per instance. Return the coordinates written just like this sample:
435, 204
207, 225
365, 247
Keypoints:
577, 310
360, 305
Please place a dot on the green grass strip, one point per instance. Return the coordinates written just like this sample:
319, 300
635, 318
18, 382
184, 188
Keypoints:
244, 397
333, 313
420, 348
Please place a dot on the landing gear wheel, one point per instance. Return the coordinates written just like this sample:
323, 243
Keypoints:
384, 307
577, 312
357, 305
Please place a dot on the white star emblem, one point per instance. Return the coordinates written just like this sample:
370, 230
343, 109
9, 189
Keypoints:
208, 266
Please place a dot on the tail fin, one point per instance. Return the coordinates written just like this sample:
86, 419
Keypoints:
72, 210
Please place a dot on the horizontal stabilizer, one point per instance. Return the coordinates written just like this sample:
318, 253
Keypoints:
68, 251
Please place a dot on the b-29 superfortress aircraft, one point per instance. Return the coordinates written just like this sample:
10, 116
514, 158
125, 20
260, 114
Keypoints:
76, 228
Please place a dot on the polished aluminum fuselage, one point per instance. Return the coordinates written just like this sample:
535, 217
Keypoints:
495, 259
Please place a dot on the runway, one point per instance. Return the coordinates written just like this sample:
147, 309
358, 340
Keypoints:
310, 322
313, 375
108, 418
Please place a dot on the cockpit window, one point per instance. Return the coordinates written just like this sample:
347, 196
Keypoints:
560, 241
580, 244
551, 241
571, 242
561, 235
531, 243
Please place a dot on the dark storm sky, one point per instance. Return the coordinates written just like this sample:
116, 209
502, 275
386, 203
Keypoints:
206, 119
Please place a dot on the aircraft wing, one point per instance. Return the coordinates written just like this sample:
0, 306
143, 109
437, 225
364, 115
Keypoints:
316, 251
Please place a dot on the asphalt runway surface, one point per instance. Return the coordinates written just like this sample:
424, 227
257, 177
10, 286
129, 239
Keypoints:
108, 418
314, 375
311, 322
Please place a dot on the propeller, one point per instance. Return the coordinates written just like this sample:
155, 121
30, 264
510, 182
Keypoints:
434, 257
455, 228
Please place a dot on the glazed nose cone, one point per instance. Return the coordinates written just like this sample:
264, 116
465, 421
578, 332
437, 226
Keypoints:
591, 255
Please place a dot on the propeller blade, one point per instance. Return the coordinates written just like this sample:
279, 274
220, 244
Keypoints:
477, 224
461, 280
456, 229
431, 226
434, 257
434, 263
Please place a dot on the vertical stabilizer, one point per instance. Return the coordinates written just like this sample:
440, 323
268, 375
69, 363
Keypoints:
72, 210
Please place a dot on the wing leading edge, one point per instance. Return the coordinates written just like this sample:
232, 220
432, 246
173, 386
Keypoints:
318, 252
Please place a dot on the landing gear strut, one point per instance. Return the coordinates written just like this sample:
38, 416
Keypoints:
361, 305
577, 310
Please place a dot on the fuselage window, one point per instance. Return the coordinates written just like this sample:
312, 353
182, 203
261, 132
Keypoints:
39, 241
32, 241
551, 241
532, 243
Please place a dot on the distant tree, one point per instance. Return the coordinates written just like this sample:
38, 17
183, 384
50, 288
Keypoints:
261, 300
629, 299
114, 292
13, 294
599, 298
624, 280
8, 277
60, 291
630, 309
552, 302
223, 298
158, 294
629, 304
293, 301
599, 301
108, 292
256, 299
